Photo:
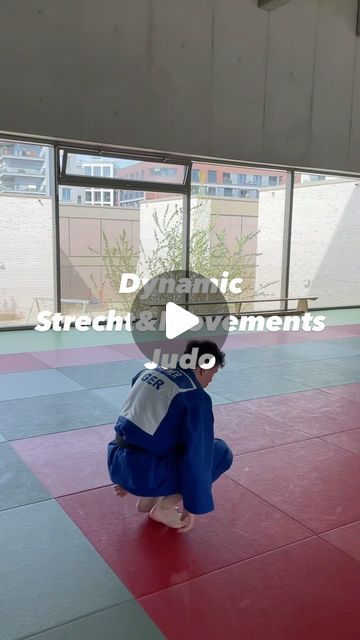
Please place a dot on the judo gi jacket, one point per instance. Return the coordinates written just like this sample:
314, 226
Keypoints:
167, 420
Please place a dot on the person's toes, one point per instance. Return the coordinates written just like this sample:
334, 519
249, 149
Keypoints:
170, 517
120, 491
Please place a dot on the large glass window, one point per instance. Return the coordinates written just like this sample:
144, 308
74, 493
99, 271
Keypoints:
99, 243
237, 224
325, 240
27, 238
106, 166
231, 234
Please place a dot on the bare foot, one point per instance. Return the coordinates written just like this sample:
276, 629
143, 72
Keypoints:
144, 505
170, 516
120, 491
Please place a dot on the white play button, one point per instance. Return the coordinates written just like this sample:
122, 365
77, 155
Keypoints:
178, 320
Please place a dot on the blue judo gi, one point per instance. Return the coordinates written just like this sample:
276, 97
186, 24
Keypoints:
168, 421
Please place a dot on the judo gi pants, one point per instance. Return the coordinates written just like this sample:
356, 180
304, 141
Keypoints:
145, 474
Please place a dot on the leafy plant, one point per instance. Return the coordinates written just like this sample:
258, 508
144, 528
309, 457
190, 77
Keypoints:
210, 255
118, 258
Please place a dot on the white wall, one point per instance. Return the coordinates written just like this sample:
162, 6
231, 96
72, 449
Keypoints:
325, 240
222, 79
27, 253
270, 246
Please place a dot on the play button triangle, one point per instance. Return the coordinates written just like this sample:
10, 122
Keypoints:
178, 320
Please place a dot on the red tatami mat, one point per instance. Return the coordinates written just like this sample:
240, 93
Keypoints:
306, 591
245, 430
68, 462
314, 412
313, 481
147, 556
349, 440
346, 538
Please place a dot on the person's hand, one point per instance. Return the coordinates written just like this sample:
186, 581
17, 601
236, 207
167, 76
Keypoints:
120, 491
187, 521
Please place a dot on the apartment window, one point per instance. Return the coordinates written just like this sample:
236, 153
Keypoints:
251, 179
228, 193
87, 196
226, 178
195, 175
97, 171
79, 199
212, 191
65, 195
273, 181
107, 196
161, 171
107, 172
212, 176
87, 171
97, 196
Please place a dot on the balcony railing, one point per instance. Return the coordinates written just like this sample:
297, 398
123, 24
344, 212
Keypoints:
9, 171
22, 189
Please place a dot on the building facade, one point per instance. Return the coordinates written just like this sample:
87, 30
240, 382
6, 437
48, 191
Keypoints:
24, 168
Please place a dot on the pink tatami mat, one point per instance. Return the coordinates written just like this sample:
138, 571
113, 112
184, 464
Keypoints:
80, 356
16, 362
351, 391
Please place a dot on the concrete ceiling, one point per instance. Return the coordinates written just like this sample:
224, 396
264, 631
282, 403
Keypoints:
269, 5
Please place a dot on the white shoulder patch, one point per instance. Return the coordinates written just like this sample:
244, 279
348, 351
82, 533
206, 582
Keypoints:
149, 399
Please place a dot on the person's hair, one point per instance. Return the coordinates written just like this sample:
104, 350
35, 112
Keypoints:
206, 347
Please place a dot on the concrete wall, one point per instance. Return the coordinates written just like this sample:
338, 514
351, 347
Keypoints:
325, 240
223, 79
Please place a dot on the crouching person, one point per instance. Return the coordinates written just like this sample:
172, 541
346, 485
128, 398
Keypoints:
164, 451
